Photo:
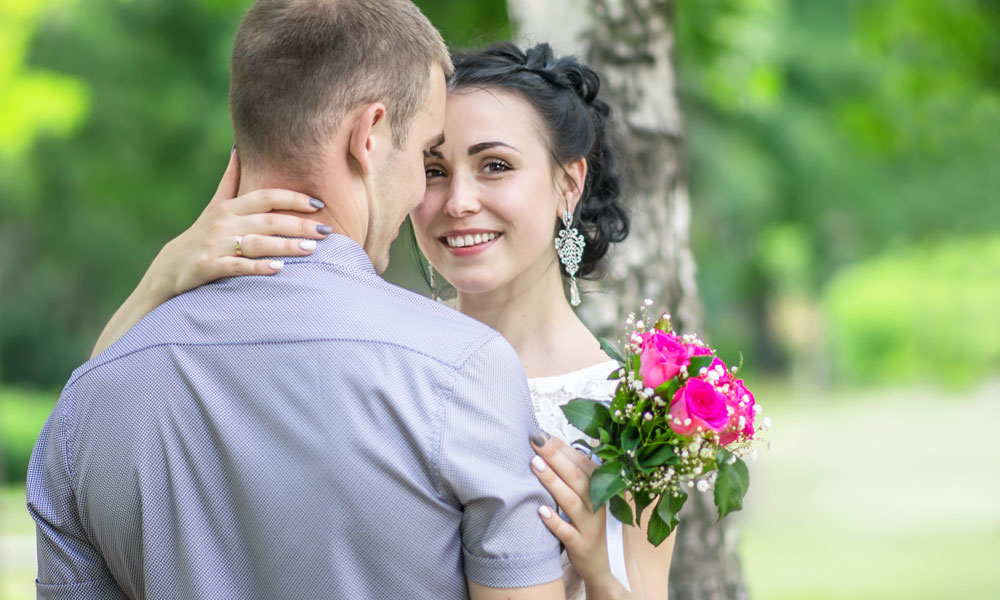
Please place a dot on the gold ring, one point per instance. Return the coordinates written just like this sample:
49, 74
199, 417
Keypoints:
239, 245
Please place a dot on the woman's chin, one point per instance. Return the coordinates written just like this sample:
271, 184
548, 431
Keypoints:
472, 283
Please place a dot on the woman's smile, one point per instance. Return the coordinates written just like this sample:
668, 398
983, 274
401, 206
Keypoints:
467, 242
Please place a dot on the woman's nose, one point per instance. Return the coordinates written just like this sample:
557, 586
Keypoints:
462, 197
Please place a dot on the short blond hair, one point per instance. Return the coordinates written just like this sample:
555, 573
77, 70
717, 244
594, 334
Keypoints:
299, 66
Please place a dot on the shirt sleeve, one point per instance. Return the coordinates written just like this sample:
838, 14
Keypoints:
485, 458
68, 565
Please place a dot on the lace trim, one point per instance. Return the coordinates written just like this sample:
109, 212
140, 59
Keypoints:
549, 393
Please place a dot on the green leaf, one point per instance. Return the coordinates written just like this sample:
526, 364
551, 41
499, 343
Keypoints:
621, 510
670, 506
603, 436
699, 362
654, 456
663, 324
732, 483
634, 362
664, 518
641, 501
605, 482
586, 415
663, 390
614, 375
608, 452
630, 438
611, 350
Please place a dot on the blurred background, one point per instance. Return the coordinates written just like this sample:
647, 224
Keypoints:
844, 163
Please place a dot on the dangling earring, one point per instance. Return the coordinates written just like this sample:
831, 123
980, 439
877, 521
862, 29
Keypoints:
434, 290
569, 247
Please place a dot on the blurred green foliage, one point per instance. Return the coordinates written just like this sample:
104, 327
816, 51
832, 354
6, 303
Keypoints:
820, 135
926, 312
22, 415
824, 134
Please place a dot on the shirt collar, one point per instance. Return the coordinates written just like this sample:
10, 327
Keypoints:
338, 250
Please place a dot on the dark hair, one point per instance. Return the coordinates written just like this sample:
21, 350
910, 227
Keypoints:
564, 93
298, 67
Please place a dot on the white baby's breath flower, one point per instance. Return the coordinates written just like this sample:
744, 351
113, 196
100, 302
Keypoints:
765, 423
702, 486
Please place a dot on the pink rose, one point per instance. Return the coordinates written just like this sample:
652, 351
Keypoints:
698, 404
699, 351
662, 357
741, 421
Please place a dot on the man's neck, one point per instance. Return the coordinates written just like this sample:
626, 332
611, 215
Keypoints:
337, 212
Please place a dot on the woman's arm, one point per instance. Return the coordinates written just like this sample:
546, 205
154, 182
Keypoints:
565, 472
648, 566
206, 251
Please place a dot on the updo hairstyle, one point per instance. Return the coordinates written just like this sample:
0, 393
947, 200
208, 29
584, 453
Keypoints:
563, 91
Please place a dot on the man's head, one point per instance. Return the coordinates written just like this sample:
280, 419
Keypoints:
340, 97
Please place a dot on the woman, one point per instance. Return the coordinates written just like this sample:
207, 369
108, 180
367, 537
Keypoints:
526, 160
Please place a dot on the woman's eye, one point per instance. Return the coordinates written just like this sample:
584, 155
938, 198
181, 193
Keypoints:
432, 171
496, 166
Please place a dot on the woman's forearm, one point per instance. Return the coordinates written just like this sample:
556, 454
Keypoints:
648, 566
151, 292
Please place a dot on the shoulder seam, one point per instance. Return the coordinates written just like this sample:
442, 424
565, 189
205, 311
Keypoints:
462, 358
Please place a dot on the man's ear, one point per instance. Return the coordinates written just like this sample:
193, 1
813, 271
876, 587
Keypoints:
366, 136
572, 179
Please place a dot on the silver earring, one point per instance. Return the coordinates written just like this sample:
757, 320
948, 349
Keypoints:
434, 290
569, 247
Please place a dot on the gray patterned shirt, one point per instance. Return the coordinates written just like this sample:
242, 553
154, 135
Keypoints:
319, 433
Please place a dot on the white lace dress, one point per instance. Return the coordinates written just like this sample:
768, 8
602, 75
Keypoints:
547, 395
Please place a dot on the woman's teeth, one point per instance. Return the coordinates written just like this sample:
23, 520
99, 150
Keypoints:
461, 241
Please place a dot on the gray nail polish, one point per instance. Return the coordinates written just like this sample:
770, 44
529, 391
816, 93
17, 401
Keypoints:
537, 440
324, 229
316, 203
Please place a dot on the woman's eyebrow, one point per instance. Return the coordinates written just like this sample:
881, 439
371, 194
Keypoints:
477, 148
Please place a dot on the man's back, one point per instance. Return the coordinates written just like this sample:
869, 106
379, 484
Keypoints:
317, 434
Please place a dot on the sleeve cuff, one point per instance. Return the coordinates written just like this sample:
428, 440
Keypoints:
98, 589
513, 571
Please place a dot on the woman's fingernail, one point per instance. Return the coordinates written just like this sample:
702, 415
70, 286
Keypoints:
324, 229
537, 439
538, 463
316, 203
544, 511
307, 244
277, 264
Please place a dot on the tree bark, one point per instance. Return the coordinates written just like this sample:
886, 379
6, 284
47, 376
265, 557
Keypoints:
629, 42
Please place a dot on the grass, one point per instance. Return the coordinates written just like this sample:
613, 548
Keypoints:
880, 494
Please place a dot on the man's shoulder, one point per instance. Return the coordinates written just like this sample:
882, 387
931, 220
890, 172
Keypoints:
407, 319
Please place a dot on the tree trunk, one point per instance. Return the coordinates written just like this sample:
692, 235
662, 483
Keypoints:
629, 43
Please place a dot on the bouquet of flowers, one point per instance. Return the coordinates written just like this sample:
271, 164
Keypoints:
679, 418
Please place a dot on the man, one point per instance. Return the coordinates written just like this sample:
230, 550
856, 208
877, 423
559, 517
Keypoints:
321, 433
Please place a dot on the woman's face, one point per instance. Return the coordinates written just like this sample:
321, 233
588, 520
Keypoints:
491, 204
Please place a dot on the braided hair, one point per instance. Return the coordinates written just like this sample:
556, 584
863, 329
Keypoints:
564, 93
